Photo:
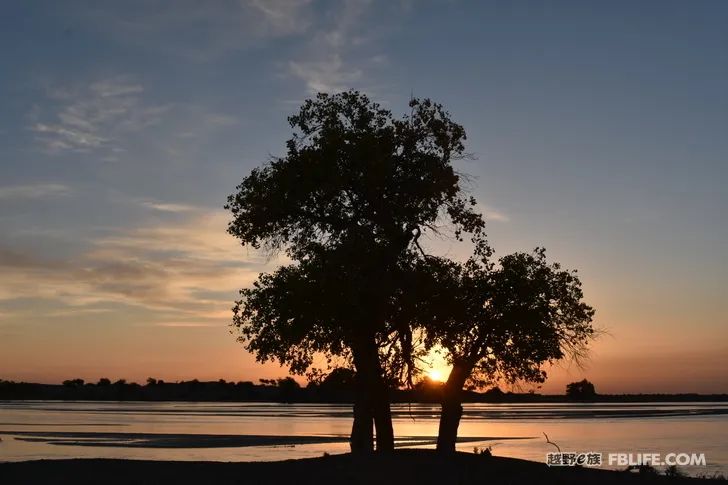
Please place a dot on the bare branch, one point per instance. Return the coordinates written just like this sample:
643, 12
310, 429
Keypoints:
551, 442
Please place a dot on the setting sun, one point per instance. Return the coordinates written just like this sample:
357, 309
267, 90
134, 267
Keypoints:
437, 366
436, 375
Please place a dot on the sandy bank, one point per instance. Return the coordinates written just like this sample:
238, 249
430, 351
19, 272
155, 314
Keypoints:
421, 467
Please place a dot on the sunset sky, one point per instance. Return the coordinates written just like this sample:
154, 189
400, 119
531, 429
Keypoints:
600, 131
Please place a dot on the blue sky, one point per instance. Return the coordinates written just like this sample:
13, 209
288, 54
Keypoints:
599, 130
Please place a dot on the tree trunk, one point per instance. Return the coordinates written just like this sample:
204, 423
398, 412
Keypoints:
383, 417
452, 409
372, 402
362, 431
447, 435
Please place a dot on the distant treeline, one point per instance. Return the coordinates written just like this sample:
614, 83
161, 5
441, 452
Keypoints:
336, 388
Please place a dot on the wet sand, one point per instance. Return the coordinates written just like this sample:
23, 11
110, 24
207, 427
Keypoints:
421, 467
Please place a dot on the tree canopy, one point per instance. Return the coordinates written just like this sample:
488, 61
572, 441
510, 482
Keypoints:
501, 322
581, 390
354, 172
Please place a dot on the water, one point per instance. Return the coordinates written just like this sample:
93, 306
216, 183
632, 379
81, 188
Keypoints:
270, 431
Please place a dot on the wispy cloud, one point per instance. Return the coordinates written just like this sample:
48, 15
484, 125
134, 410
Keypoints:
59, 137
115, 87
186, 324
167, 206
492, 214
34, 191
332, 59
95, 116
495, 215
186, 271
198, 31
327, 75
283, 17
220, 119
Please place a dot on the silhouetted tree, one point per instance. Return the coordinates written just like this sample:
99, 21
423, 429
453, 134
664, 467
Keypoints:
151, 381
103, 382
73, 383
353, 195
288, 388
494, 393
582, 390
339, 379
501, 322
429, 389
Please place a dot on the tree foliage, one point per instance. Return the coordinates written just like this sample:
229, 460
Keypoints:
500, 321
310, 308
504, 321
581, 390
354, 172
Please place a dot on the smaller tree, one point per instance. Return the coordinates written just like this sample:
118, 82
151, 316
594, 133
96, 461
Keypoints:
73, 383
581, 391
288, 388
339, 379
500, 322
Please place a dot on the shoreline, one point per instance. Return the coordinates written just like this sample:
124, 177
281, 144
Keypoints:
421, 467
186, 440
222, 391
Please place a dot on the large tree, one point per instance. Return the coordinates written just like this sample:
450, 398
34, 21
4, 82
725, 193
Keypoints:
500, 322
349, 203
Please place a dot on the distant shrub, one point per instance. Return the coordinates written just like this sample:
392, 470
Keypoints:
484, 452
582, 390
674, 472
645, 469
